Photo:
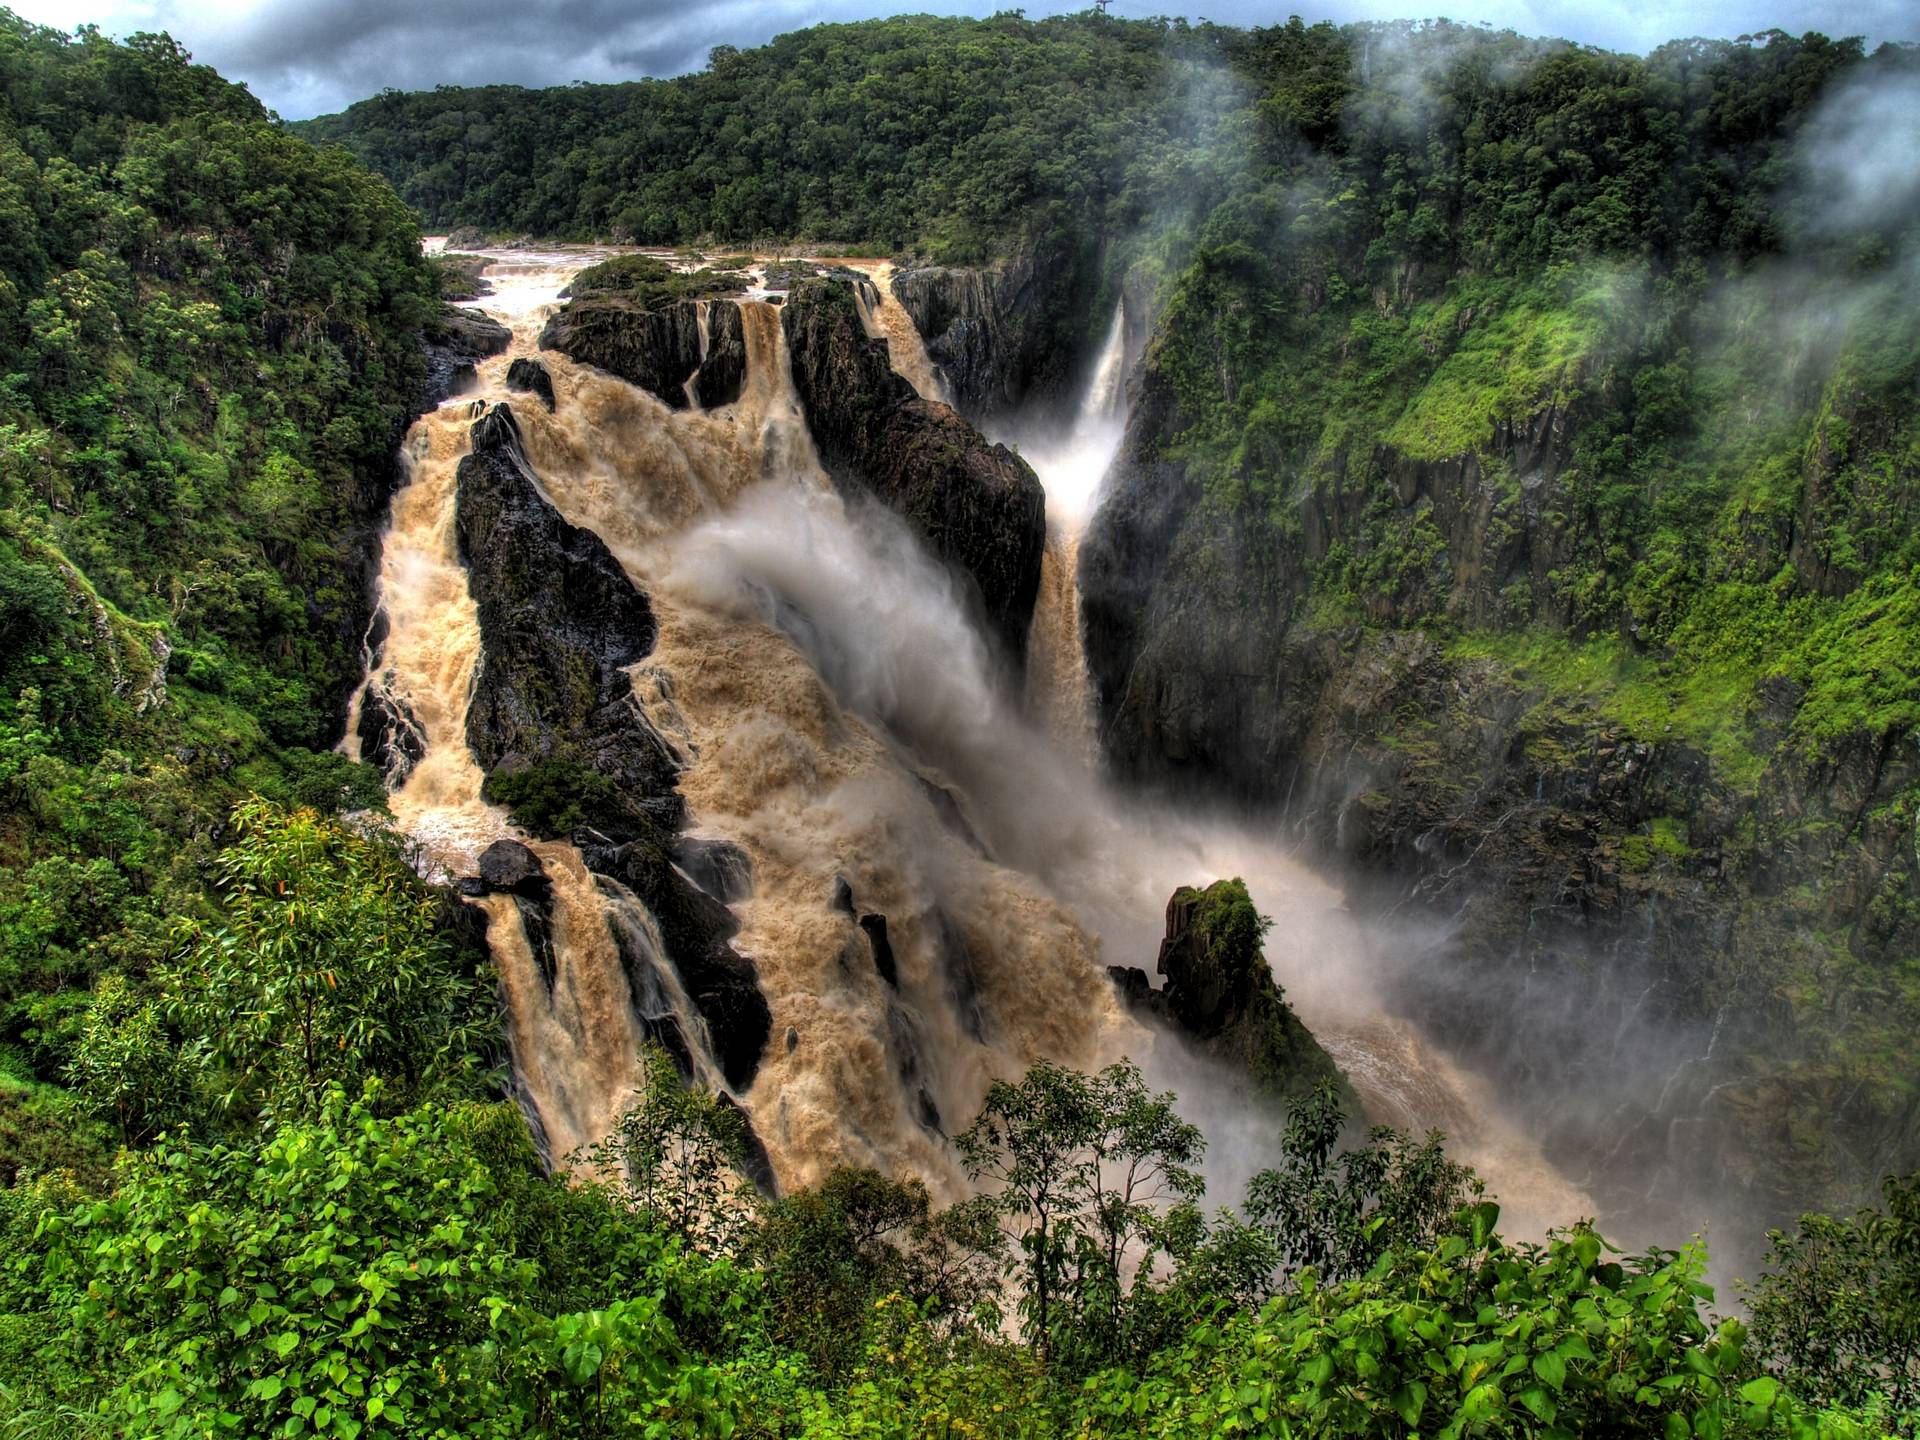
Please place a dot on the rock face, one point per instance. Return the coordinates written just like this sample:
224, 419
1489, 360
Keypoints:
1221, 994
560, 622
454, 341
696, 930
656, 349
724, 371
1008, 334
976, 504
531, 377
1570, 856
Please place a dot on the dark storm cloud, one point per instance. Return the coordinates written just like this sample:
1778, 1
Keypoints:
307, 57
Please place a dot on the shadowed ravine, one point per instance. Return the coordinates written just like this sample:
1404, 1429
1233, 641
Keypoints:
840, 719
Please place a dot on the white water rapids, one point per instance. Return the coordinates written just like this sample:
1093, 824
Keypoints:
842, 719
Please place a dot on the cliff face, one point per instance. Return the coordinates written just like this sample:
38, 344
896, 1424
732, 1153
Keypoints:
553, 709
1626, 884
659, 349
977, 505
1006, 335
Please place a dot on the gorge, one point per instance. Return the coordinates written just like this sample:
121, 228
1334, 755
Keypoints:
996, 726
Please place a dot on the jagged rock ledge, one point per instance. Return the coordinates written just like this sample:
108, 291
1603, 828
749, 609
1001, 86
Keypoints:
976, 504
657, 349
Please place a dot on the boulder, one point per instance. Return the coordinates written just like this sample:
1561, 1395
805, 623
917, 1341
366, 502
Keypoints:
657, 349
531, 376
977, 505
510, 868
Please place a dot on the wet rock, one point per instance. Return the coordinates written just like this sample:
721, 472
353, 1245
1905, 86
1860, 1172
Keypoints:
753, 1159
843, 896
719, 867
529, 375
695, 930
657, 349
510, 868
977, 505
724, 372
1009, 334
559, 623
1220, 994
875, 927
467, 237
454, 340
962, 974
391, 739
793, 1039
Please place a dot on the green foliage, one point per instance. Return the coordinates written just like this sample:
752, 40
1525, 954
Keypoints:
1337, 1211
1837, 1313
678, 1149
649, 281
1075, 1163
329, 963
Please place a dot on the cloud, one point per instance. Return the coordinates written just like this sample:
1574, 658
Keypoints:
308, 57
1858, 169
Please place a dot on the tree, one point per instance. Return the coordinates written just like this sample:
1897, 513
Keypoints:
678, 1149
1339, 1211
329, 964
125, 1063
1837, 1314
828, 1254
1082, 1167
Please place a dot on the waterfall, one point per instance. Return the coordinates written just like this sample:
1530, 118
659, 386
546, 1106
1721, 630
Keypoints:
845, 726
885, 318
1072, 468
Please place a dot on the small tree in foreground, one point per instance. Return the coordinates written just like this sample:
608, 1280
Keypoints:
1085, 1169
1838, 1312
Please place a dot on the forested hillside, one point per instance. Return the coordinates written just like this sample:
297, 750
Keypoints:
1527, 421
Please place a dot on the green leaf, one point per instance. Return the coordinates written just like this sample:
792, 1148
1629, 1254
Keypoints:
1551, 1369
1761, 1391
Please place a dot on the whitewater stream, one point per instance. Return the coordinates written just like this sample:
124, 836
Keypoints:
841, 719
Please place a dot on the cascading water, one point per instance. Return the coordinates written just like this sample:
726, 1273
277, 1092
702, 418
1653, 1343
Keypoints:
885, 318
842, 723
1071, 467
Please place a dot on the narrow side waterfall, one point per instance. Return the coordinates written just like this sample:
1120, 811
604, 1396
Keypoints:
939, 875
885, 318
1059, 690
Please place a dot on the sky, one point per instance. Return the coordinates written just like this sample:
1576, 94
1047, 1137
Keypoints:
311, 57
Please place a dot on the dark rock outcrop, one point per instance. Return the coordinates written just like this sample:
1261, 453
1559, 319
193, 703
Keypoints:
510, 868
657, 349
977, 505
695, 930
530, 376
875, 927
454, 340
390, 736
724, 371
1221, 994
560, 621
1010, 334
719, 867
